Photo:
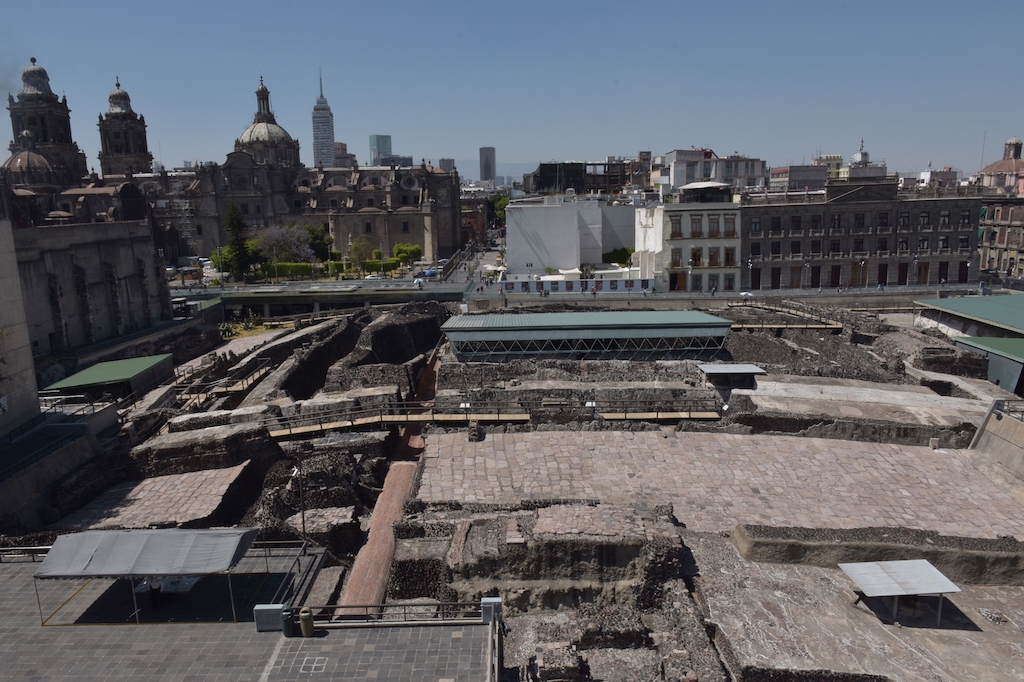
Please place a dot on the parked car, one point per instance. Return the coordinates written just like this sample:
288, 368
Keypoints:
374, 276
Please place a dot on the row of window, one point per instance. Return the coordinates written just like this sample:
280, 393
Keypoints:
727, 280
715, 225
882, 218
924, 243
696, 257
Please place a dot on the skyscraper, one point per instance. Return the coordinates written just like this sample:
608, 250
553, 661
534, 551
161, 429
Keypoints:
487, 164
380, 145
323, 130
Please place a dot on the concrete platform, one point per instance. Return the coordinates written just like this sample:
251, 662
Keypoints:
162, 500
845, 398
783, 618
715, 481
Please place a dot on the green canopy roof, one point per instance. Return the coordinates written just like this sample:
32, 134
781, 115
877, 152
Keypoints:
1004, 311
107, 373
1012, 349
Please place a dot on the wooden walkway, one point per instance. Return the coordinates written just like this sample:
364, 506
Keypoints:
429, 416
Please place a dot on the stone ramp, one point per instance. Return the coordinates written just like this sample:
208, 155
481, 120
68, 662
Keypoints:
172, 500
368, 580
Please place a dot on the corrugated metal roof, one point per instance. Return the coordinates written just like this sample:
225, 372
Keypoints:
1008, 348
1005, 311
116, 371
585, 320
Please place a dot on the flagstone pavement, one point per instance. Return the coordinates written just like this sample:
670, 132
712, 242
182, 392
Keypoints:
715, 481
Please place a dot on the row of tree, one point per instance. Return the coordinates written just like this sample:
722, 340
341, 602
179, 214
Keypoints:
297, 244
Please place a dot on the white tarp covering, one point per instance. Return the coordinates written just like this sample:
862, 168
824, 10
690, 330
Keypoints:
141, 553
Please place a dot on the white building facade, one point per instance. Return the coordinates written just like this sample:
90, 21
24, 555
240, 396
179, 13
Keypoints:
563, 233
691, 242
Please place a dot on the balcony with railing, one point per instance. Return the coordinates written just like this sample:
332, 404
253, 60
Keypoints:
730, 234
884, 229
675, 235
696, 234
926, 228
713, 234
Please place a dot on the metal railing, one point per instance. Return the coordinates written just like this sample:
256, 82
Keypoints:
32, 552
386, 614
1011, 408
469, 409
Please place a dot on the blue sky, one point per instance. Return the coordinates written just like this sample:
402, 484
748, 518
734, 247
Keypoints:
919, 81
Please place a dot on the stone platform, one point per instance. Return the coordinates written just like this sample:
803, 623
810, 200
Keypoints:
715, 481
173, 500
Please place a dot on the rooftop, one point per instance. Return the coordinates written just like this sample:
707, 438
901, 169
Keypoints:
1005, 312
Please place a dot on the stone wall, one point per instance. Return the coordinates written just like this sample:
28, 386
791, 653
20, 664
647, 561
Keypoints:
216, 447
977, 561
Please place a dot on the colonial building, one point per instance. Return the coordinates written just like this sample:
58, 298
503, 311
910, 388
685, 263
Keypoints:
19, 399
387, 205
858, 233
123, 145
1005, 176
691, 242
1002, 228
48, 120
87, 263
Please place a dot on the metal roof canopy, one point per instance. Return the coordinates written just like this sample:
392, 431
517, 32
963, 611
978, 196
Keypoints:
134, 554
899, 578
169, 552
1005, 311
738, 368
107, 373
1011, 349
587, 320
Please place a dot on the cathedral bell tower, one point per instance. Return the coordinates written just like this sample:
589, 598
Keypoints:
123, 146
48, 119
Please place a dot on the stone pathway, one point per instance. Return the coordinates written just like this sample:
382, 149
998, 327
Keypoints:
715, 481
368, 581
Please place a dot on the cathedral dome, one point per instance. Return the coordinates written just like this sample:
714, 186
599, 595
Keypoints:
266, 132
35, 82
120, 102
27, 161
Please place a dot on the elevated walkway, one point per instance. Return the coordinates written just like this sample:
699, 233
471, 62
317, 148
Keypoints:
400, 414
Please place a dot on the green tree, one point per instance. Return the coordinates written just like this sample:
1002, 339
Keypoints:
620, 256
407, 253
498, 204
359, 251
320, 241
237, 255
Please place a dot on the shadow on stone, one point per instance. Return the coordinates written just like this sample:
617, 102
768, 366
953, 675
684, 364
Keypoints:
208, 601
920, 612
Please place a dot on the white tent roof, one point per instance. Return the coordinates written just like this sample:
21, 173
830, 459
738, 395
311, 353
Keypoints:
141, 553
